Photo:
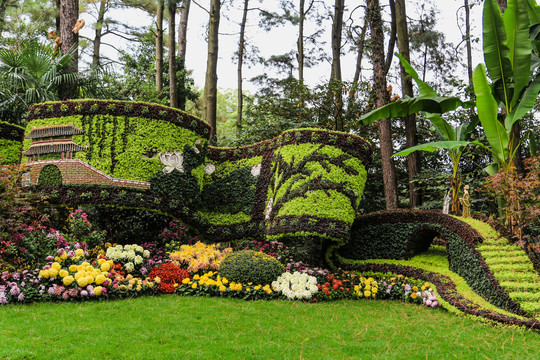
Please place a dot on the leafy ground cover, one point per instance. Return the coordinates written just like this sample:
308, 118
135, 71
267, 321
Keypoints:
167, 326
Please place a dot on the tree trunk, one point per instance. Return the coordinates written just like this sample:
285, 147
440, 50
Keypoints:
173, 93
300, 43
407, 90
381, 99
69, 13
468, 41
358, 69
58, 17
182, 36
99, 31
159, 46
337, 26
239, 69
210, 85
393, 34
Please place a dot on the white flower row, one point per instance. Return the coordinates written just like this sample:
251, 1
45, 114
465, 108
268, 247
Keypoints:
296, 285
128, 252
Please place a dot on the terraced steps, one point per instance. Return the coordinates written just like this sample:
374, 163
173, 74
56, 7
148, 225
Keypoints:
514, 271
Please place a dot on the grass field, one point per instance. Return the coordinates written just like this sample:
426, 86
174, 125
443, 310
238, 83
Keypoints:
173, 327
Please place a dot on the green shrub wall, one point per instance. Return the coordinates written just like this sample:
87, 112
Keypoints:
402, 233
10, 142
124, 139
314, 177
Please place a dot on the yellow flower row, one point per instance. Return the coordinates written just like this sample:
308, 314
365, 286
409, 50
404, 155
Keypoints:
83, 274
207, 279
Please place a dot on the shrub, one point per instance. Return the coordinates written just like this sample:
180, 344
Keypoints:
251, 267
50, 176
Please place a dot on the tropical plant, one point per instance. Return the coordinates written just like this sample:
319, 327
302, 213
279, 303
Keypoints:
453, 139
29, 74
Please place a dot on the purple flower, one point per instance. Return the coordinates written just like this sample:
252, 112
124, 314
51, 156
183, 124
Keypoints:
90, 288
59, 252
20, 297
429, 302
23, 284
407, 288
71, 254
49, 258
103, 290
15, 291
115, 286
76, 246
84, 293
435, 303
144, 271
50, 291
3, 299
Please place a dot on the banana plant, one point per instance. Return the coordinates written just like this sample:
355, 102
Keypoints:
511, 64
453, 139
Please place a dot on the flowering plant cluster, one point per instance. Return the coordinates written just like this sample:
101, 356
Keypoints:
131, 257
199, 257
81, 229
296, 285
302, 267
127, 286
402, 288
213, 284
168, 276
367, 288
176, 235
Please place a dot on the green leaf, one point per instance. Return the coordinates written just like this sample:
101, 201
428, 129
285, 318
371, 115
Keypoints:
487, 112
516, 23
423, 88
533, 10
496, 51
444, 129
407, 106
431, 147
526, 104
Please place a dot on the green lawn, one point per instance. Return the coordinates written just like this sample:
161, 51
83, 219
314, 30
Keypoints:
173, 327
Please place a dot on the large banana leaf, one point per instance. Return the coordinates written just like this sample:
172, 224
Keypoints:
516, 23
408, 106
431, 147
423, 88
487, 112
496, 52
526, 104
534, 11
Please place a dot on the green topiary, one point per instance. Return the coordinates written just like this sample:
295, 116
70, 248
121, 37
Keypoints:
251, 267
50, 175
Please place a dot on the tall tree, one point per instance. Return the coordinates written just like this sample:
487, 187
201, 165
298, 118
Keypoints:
210, 84
241, 47
99, 32
173, 93
337, 27
182, 36
407, 90
159, 45
381, 99
69, 14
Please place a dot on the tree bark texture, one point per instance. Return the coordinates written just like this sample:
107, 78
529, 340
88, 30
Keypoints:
407, 90
182, 36
99, 32
241, 45
393, 35
381, 99
173, 85
337, 26
210, 85
468, 41
69, 13
300, 43
159, 46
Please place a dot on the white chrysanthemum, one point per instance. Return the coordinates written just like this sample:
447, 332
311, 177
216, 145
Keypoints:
131, 255
129, 267
296, 285
146, 254
138, 249
128, 247
138, 260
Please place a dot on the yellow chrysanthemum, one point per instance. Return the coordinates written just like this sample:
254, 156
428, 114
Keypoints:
44, 274
222, 288
63, 256
63, 273
73, 268
97, 290
194, 286
81, 281
56, 266
100, 279
89, 279
105, 266
367, 293
79, 252
53, 272
68, 280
